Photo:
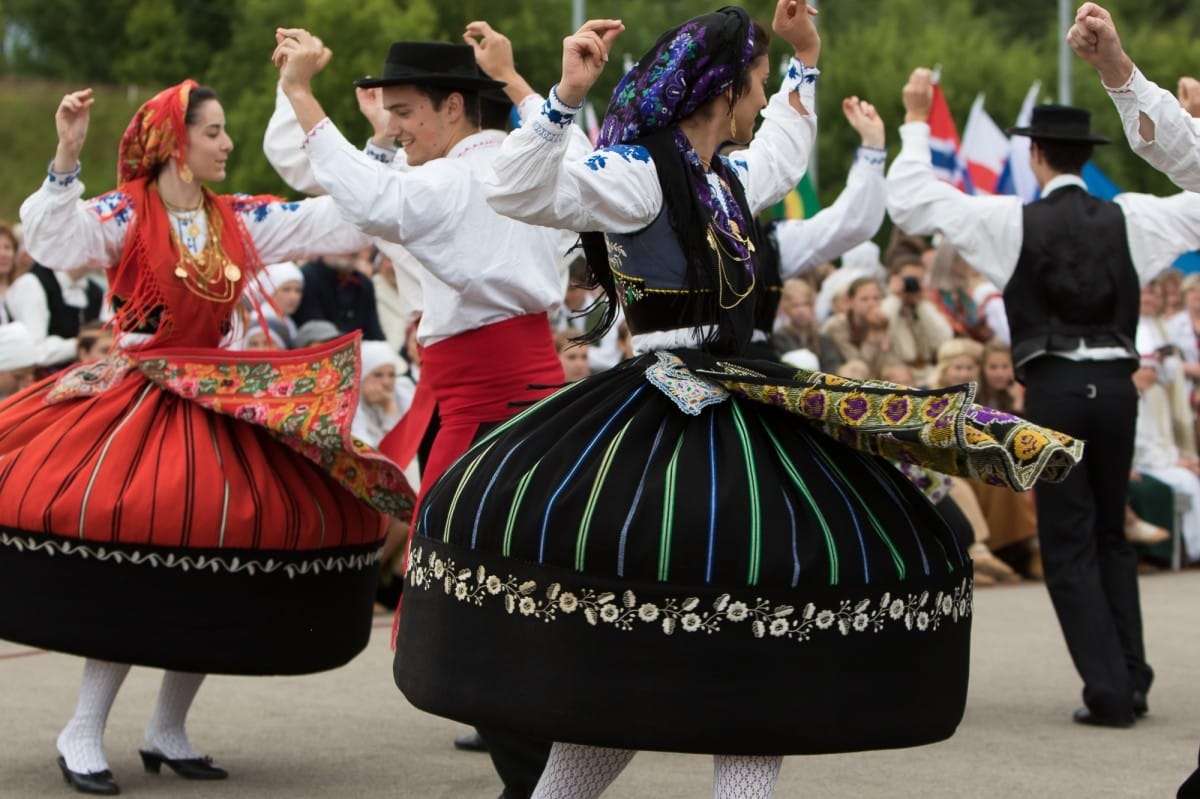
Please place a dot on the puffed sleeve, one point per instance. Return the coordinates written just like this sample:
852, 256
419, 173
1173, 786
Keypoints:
534, 179
289, 231
62, 231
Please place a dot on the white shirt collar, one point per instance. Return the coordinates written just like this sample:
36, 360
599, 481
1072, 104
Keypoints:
1063, 181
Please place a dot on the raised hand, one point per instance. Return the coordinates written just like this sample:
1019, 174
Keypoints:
918, 95
299, 56
794, 23
1189, 95
493, 50
585, 52
863, 117
71, 120
1094, 38
370, 103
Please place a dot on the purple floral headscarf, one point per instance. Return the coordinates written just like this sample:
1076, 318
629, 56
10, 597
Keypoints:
687, 67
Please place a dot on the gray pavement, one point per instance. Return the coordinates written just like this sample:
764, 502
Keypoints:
349, 732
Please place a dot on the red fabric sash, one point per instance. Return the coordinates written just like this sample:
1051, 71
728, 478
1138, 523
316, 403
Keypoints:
475, 378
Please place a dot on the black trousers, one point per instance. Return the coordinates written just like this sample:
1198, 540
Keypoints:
1090, 567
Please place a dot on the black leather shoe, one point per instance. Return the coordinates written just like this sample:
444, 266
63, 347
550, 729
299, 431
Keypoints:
98, 782
470, 742
1140, 706
1085, 716
195, 768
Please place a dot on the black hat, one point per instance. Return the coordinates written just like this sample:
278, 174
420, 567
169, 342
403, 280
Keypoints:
438, 64
1060, 123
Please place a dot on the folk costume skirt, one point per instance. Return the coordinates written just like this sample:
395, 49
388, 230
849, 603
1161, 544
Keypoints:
179, 509
697, 555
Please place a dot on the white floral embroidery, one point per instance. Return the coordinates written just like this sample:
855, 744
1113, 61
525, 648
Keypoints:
248, 562
920, 611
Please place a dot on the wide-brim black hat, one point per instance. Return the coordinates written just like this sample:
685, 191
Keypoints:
1060, 123
438, 64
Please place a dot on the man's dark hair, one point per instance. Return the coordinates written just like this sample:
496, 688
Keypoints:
437, 96
1067, 157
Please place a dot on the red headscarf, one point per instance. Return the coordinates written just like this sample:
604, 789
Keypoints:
156, 132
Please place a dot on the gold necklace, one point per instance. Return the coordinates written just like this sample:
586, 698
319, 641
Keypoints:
209, 275
723, 282
186, 218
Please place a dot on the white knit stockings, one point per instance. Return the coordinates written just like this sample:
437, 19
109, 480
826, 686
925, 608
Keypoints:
165, 731
580, 772
81, 742
584, 772
744, 776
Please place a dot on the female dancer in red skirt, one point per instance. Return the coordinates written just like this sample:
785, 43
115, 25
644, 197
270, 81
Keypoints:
177, 505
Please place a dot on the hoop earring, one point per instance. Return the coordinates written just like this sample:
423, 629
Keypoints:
185, 173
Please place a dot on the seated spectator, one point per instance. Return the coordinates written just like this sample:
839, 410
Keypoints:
93, 343
799, 329
1157, 454
18, 357
998, 386
268, 338
857, 262
9, 271
316, 331
1154, 343
285, 284
916, 328
385, 395
1171, 281
1006, 523
861, 333
53, 305
337, 290
954, 288
574, 356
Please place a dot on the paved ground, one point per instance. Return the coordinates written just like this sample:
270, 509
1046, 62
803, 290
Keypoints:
349, 733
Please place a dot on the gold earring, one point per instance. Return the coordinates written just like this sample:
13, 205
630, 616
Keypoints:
732, 124
185, 173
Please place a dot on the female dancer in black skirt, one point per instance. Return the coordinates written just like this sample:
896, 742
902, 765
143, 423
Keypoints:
694, 551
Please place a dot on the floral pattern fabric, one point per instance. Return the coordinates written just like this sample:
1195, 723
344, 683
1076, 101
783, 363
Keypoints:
759, 618
305, 398
937, 428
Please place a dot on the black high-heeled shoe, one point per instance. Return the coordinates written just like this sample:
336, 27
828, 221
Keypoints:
193, 768
98, 782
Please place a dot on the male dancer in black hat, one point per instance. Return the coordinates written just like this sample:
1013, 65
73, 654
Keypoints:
488, 283
1071, 266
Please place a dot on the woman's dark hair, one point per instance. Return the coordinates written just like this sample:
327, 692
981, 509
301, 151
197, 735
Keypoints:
762, 43
196, 98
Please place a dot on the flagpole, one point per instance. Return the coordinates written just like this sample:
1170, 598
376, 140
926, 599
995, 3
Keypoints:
1064, 53
578, 12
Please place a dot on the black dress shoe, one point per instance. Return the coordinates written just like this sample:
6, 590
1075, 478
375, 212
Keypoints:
194, 768
99, 782
1084, 715
470, 742
1140, 706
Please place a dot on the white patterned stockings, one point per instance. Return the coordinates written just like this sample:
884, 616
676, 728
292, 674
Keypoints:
584, 772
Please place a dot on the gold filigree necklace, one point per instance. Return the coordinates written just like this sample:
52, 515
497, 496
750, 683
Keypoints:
721, 251
209, 274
